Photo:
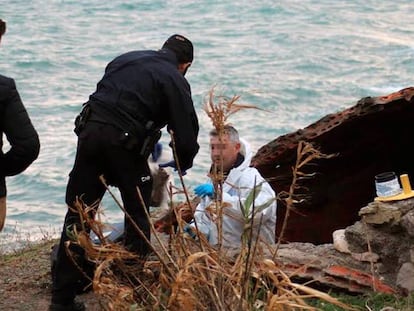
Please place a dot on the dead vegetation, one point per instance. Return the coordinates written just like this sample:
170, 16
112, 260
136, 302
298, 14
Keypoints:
184, 273
306, 154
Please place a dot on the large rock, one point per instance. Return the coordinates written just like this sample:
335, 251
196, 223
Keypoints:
385, 229
369, 138
376, 253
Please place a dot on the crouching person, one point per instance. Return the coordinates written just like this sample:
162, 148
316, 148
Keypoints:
247, 198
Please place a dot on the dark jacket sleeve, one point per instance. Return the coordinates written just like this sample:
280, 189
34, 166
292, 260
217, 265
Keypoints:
18, 128
183, 122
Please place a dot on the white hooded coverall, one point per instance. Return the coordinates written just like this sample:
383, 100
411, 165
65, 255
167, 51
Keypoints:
237, 187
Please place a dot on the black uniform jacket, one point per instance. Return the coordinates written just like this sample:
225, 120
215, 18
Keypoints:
142, 86
21, 135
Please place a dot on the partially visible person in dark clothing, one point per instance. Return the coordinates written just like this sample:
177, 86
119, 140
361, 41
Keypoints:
20, 133
140, 93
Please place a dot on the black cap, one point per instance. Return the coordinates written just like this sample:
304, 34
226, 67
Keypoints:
181, 46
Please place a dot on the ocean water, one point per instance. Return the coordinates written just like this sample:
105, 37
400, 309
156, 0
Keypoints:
295, 60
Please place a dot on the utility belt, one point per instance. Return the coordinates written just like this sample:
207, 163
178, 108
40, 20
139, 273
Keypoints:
150, 138
145, 140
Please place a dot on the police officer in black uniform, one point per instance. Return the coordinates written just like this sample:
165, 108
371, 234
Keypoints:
15, 123
140, 93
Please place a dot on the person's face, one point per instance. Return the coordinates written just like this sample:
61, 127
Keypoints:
223, 152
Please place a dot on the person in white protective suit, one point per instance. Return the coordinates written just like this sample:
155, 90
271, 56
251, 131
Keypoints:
231, 156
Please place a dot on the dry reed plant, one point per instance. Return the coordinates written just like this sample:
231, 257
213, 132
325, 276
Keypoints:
306, 153
185, 272
219, 109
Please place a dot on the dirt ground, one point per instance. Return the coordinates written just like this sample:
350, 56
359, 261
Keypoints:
25, 281
25, 278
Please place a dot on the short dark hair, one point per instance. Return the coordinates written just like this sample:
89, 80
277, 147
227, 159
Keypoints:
2, 27
181, 46
227, 130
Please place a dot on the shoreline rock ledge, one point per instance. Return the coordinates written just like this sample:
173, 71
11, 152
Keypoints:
386, 229
376, 253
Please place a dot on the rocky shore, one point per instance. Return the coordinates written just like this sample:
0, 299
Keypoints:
375, 254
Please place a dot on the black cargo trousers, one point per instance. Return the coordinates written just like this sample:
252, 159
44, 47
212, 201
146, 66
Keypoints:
102, 150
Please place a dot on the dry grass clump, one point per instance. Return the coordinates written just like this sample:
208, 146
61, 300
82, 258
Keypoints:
219, 108
305, 155
185, 272
184, 277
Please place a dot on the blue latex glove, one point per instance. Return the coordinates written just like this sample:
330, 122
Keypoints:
191, 231
171, 164
204, 189
156, 153
187, 229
